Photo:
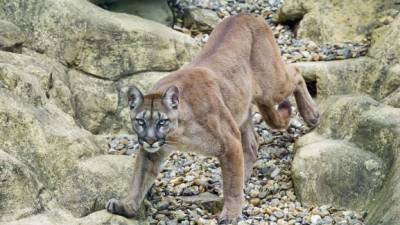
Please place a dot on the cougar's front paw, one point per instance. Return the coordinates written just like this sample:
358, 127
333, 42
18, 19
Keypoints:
224, 218
313, 119
227, 221
117, 207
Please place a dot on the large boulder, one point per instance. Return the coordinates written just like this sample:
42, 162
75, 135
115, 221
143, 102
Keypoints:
61, 217
341, 77
95, 41
342, 168
19, 188
156, 10
94, 181
350, 160
34, 76
98, 105
101, 105
47, 161
393, 99
331, 21
96, 101
384, 47
203, 20
11, 37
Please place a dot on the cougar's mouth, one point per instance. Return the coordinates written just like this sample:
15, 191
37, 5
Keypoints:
151, 148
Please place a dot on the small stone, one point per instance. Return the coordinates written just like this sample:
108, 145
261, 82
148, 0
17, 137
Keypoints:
371, 165
294, 122
282, 222
315, 219
327, 220
348, 214
172, 222
177, 181
257, 118
275, 202
179, 215
267, 136
312, 46
279, 214
255, 201
254, 193
162, 205
263, 194
275, 172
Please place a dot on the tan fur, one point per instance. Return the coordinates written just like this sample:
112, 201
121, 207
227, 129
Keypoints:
239, 65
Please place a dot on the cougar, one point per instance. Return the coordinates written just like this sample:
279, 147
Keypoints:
205, 107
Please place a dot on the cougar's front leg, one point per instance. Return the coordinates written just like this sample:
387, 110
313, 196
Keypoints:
307, 107
147, 167
233, 180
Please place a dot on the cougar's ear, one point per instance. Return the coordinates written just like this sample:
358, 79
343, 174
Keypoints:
171, 97
135, 97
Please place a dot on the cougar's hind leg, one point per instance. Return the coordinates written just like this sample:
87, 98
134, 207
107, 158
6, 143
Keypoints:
249, 145
276, 118
147, 167
306, 105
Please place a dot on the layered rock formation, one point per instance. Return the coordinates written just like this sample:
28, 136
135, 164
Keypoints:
336, 20
352, 159
63, 69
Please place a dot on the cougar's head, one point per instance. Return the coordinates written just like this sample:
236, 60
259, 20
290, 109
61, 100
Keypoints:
153, 116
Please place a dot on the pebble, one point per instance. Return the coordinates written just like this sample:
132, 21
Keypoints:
279, 214
275, 172
315, 219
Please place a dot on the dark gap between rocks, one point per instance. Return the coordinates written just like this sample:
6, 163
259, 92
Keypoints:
312, 88
294, 25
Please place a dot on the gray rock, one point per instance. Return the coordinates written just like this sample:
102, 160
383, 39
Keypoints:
321, 25
361, 183
98, 42
93, 176
156, 10
96, 101
393, 99
315, 219
19, 188
275, 172
207, 200
363, 162
200, 19
36, 79
59, 154
11, 37
59, 217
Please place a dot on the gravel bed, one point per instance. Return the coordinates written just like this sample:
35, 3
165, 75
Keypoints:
188, 190
292, 49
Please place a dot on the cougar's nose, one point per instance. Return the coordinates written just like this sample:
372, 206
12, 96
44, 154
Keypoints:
150, 141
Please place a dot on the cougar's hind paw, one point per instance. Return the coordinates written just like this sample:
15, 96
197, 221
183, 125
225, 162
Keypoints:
313, 121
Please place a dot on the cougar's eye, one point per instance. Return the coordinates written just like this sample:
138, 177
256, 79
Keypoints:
140, 122
163, 122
